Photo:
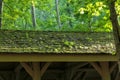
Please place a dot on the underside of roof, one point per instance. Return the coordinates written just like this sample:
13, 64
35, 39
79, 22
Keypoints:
56, 42
61, 70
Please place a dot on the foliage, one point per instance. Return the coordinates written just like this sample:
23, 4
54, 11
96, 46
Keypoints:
75, 15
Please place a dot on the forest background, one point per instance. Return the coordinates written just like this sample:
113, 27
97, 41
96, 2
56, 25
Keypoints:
58, 15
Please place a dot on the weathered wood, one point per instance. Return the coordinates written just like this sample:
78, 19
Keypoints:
17, 75
78, 66
84, 75
19, 67
113, 67
24, 57
17, 72
27, 68
36, 71
86, 69
77, 76
1, 78
44, 68
105, 70
117, 76
97, 68
69, 74
119, 65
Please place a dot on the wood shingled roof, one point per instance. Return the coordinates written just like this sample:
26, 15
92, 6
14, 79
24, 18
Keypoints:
56, 42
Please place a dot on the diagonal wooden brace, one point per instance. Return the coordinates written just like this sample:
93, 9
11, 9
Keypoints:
119, 65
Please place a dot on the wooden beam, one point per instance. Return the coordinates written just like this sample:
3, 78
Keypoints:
27, 68
86, 69
84, 75
97, 68
1, 78
69, 73
44, 68
77, 66
17, 75
119, 65
19, 67
77, 76
113, 67
36, 71
55, 71
117, 76
29, 57
105, 70
17, 71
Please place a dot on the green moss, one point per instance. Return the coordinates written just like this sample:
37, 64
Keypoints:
56, 42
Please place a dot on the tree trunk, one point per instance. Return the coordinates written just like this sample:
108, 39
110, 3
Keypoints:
69, 13
116, 27
58, 14
0, 13
33, 14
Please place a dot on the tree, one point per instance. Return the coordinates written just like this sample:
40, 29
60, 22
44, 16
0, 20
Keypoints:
89, 15
33, 14
57, 12
69, 13
116, 26
0, 13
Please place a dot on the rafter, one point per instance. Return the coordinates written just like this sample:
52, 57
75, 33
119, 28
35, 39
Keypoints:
27, 68
113, 67
97, 67
44, 68
105, 70
19, 67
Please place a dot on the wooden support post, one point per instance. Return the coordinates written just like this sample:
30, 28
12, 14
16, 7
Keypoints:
103, 69
97, 67
17, 75
117, 76
17, 72
35, 71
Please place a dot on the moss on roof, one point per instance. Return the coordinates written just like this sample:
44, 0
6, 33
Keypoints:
56, 42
